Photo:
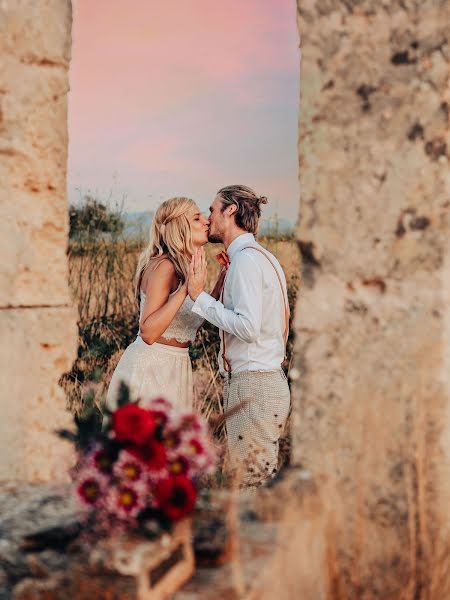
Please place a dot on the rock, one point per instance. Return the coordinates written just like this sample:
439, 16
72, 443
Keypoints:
37, 320
57, 536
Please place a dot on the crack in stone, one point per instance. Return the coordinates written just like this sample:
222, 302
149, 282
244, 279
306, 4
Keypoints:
26, 306
43, 62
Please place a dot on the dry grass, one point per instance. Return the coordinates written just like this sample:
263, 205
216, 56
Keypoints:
101, 272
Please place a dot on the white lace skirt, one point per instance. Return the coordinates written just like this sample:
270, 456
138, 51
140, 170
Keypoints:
152, 371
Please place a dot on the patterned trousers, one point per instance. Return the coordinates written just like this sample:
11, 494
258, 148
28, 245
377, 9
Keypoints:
254, 431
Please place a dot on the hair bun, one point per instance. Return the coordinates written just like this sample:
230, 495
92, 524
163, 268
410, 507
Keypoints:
263, 200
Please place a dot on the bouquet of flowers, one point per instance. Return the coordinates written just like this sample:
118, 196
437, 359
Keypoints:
144, 468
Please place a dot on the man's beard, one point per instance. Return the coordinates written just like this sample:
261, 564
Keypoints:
214, 238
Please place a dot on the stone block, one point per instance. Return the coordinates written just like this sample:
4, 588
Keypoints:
38, 345
33, 248
38, 31
35, 52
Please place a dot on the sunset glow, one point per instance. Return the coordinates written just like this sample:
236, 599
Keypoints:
181, 98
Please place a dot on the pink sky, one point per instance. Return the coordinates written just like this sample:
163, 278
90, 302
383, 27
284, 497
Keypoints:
180, 98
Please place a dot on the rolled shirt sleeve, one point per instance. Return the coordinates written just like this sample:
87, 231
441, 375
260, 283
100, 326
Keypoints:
246, 286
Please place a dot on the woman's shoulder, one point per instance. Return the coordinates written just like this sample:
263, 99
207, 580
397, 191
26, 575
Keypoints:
159, 268
162, 264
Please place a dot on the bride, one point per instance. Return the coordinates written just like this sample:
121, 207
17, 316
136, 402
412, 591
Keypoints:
157, 363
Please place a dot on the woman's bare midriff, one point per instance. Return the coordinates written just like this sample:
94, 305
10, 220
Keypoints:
172, 342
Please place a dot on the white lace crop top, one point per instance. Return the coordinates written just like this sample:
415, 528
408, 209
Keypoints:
184, 325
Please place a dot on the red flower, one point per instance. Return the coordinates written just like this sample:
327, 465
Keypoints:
90, 490
153, 454
176, 496
134, 424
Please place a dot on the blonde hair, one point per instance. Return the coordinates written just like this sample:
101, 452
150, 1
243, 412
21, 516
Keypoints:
170, 235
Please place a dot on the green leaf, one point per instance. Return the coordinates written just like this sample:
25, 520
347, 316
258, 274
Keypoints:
65, 434
124, 394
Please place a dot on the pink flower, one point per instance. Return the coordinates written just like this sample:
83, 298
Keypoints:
126, 500
179, 466
194, 447
190, 422
91, 486
172, 440
201, 454
102, 460
128, 467
160, 404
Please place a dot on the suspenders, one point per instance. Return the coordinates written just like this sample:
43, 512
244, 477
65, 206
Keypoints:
226, 362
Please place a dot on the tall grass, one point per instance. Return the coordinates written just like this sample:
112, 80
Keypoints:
101, 271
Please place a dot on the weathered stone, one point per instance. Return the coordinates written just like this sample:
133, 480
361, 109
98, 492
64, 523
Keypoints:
35, 52
26, 508
37, 346
372, 399
37, 324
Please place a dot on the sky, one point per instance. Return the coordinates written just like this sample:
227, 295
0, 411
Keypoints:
182, 97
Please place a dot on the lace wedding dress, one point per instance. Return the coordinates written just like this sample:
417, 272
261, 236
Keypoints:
157, 369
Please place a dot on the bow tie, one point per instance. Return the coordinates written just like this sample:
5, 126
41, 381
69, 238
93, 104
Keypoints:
223, 259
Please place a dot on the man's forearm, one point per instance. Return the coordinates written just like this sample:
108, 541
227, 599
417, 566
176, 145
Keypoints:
243, 326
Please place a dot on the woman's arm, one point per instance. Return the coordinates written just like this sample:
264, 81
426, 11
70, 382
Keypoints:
219, 283
160, 308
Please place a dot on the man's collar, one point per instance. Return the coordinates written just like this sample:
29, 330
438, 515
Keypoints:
239, 242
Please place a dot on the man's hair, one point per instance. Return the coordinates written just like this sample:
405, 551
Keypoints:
248, 205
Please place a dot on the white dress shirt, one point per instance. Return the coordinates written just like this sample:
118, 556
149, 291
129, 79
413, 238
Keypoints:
252, 315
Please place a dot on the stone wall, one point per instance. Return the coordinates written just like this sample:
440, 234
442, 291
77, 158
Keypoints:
37, 321
372, 400
371, 403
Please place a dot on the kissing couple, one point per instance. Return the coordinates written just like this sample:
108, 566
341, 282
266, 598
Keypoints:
249, 306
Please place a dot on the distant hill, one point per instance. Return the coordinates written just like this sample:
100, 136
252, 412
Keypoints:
276, 226
137, 225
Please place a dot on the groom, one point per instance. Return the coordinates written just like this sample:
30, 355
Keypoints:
252, 315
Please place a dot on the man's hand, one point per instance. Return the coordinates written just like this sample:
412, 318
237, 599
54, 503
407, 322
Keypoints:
197, 274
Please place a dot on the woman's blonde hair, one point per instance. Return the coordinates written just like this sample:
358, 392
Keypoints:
170, 234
